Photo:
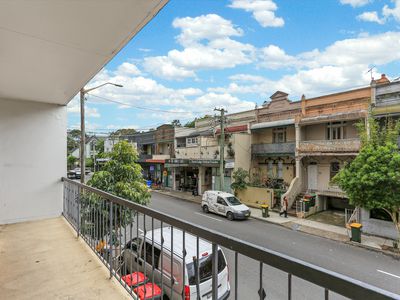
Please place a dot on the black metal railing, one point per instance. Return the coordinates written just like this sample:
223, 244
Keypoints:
170, 253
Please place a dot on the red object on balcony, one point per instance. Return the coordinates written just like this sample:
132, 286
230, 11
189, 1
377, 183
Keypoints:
148, 291
135, 279
239, 128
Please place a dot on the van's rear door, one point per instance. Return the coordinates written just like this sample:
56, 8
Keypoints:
205, 277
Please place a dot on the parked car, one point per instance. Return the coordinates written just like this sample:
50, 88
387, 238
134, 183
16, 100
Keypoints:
77, 173
144, 263
224, 204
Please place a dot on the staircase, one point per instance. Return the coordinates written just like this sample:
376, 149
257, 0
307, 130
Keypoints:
292, 210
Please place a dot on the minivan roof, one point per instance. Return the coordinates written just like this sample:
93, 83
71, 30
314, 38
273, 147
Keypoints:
190, 242
219, 193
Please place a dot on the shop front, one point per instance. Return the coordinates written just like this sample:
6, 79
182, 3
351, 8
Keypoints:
193, 175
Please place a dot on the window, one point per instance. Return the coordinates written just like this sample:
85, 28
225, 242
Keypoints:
280, 169
233, 201
221, 201
335, 167
335, 130
149, 255
192, 141
270, 169
379, 214
205, 268
279, 135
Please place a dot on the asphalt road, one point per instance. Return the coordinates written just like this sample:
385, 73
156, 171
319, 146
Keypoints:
371, 267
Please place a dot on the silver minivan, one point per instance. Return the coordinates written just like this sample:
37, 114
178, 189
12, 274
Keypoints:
180, 290
224, 204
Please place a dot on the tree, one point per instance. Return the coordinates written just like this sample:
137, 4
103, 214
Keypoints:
71, 160
176, 123
123, 132
191, 124
372, 179
120, 176
239, 180
100, 146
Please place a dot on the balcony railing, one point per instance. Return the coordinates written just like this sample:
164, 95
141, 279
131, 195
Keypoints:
108, 224
275, 148
330, 146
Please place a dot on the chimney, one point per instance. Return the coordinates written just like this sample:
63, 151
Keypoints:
382, 80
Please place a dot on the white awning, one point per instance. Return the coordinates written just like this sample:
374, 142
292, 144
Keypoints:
272, 124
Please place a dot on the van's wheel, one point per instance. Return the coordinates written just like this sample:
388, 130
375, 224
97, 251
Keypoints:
229, 215
165, 297
205, 209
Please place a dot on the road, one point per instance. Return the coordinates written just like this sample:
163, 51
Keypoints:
371, 267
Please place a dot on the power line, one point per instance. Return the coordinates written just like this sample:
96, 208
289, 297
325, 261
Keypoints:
147, 108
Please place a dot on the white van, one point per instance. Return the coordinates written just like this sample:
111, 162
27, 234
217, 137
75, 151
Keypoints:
181, 290
224, 204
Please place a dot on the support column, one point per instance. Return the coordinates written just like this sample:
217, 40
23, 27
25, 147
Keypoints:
173, 178
201, 180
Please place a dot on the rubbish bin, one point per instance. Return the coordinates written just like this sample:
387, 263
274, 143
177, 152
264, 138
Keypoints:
264, 210
356, 232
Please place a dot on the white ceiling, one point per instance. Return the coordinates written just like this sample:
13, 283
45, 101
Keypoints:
49, 49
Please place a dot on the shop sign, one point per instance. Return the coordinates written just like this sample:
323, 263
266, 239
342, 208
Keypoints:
229, 165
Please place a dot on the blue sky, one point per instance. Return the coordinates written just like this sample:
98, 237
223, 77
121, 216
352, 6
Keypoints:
199, 54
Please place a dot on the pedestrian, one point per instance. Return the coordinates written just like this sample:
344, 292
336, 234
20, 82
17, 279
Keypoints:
284, 207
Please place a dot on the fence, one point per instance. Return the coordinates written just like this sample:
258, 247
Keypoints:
114, 227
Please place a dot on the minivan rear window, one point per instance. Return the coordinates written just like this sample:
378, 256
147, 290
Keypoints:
205, 268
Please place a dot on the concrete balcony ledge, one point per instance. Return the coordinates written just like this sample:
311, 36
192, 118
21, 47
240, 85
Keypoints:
273, 148
330, 146
44, 260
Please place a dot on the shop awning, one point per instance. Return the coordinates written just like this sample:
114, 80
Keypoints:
272, 124
155, 161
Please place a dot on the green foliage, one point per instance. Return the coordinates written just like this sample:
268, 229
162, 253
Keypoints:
71, 160
100, 146
89, 163
123, 131
122, 176
176, 123
191, 124
239, 180
372, 179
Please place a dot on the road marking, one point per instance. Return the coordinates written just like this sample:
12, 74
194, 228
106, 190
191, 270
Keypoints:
200, 214
390, 274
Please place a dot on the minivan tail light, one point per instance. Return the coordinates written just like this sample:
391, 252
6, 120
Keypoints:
187, 292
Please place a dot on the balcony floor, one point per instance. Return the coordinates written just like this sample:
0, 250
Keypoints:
44, 260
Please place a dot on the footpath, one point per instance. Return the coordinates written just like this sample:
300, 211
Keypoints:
328, 231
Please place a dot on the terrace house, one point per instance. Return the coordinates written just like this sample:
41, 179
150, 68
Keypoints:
326, 138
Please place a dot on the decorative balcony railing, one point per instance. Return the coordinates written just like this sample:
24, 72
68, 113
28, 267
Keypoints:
274, 148
115, 229
330, 146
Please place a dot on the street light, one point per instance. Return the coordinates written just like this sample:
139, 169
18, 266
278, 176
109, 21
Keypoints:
82, 150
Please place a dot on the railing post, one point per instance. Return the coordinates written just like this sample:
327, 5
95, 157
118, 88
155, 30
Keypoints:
110, 255
214, 271
78, 209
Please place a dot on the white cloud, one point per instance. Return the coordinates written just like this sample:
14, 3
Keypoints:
339, 66
128, 69
371, 49
355, 3
387, 13
207, 44
204, 27
246, 77
162, 66
275, 58
392, 12
263, 11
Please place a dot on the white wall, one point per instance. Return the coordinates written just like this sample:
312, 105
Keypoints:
33, 149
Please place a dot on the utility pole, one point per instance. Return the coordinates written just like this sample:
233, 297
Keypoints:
84, 91
221, 147
83, 142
